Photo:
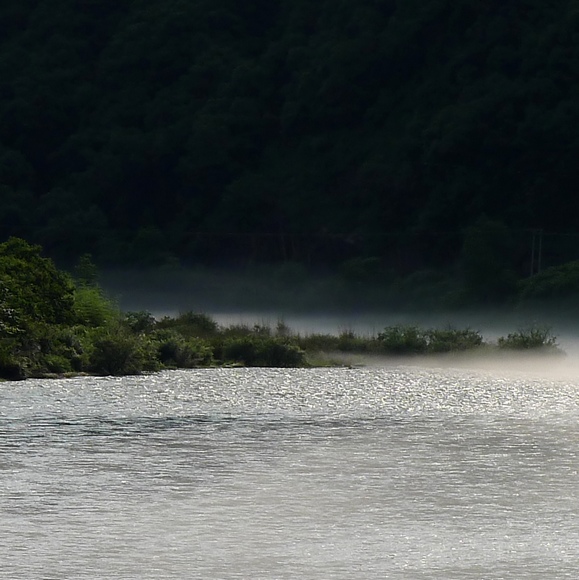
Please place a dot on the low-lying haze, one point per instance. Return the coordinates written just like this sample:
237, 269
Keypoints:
308, 306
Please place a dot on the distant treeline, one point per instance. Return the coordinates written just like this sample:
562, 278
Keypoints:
216, 131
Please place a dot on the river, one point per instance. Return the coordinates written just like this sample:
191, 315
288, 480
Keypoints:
384, 472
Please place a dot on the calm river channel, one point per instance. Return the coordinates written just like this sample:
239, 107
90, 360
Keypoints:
394, 472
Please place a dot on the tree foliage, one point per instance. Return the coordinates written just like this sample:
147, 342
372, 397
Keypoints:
286, 130
32, 289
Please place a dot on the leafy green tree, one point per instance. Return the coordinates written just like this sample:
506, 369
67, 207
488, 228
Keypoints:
36, 299
33, 288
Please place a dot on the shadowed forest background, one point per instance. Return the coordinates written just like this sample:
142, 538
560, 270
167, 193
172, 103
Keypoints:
429, 143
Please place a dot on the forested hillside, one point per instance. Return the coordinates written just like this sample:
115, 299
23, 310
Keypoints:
219, 131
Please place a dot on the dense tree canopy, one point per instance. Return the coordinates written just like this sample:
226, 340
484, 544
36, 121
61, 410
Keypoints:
147, 130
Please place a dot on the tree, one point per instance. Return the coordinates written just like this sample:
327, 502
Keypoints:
33, 289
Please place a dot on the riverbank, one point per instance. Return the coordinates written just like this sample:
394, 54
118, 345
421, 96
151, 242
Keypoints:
136, 342
54, 324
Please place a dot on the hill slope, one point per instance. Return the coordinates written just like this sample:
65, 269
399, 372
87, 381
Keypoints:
277, 130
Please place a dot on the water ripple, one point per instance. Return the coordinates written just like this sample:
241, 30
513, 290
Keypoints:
393, 472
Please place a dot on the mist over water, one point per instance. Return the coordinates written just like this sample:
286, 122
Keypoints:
233, 299
310, 304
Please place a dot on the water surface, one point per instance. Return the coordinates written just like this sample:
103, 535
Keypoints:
386, 472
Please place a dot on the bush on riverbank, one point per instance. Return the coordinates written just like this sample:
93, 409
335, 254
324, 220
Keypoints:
174, 350
403, 340
52, 324
190, 324
412, 340
452, 340
114, 350
256, 351
534, 338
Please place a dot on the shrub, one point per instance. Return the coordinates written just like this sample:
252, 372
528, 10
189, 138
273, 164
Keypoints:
10, 322
403, 340
244, 350
141, 321
10, 367
61, 349
173, 350
452, 340
115, 351
191, 324
47, 348
536, 337
278, 354
85, 271
282, 329
350, 342
58, 364
319, 342
267, 352
92, 308
240, 330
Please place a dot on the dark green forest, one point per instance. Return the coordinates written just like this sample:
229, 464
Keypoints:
384, 135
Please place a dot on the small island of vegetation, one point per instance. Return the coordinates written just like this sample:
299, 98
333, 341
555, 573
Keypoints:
56, 324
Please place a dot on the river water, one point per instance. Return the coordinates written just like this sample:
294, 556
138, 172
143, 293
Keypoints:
383, 472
